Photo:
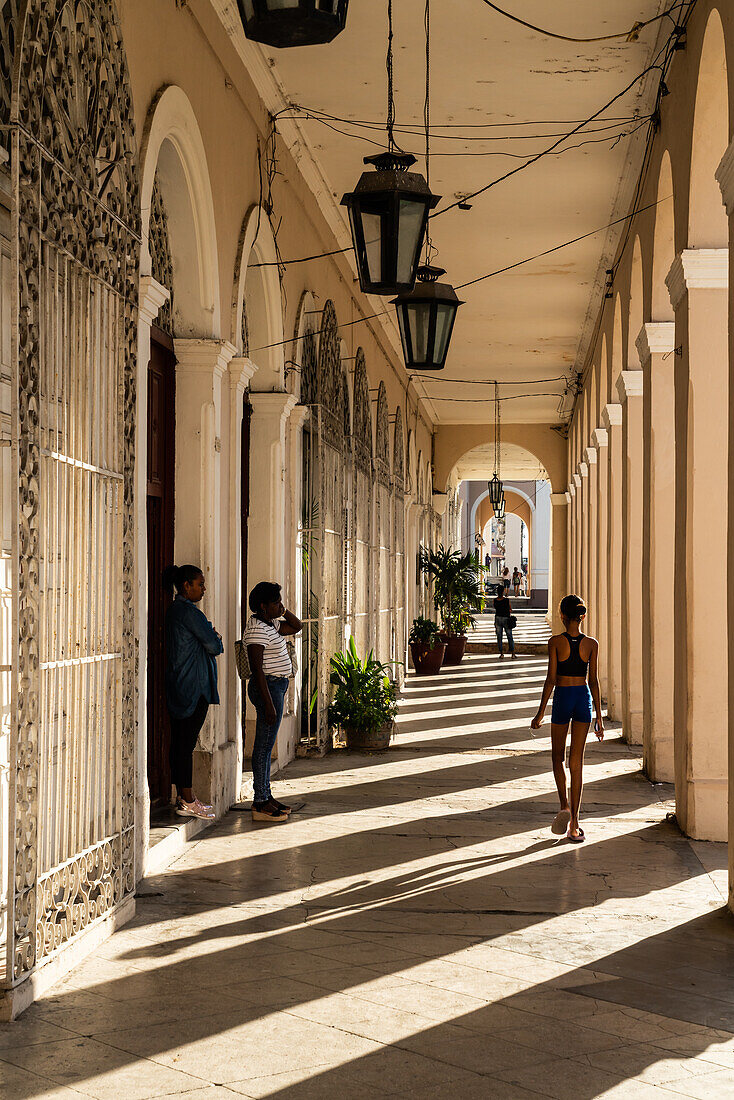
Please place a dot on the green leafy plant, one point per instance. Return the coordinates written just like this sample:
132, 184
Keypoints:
364, 695
424, 632
457, 589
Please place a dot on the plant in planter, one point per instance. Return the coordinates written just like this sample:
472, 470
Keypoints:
457, 591
364, 703
426, 647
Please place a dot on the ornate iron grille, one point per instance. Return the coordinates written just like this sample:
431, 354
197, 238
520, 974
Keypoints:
76, 262
362, 497
384, 579
160, 255
323, 530
398, 503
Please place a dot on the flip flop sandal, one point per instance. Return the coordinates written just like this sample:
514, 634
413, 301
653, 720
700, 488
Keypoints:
577, 839
561, 822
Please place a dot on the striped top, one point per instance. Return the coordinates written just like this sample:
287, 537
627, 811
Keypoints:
276, 661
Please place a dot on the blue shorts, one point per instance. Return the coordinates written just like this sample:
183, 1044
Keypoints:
571, 704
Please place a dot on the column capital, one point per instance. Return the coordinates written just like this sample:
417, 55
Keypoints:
210, 357
611, 415
656, 337
697, 269
725, 175
439, 502
590, 453
559, 500
275, 406
298, 417
630, 384
583, 469
151, 297
241, 370
571, 490
577, 480
599, 438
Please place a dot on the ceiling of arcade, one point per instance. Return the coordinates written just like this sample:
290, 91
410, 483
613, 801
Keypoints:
500, 94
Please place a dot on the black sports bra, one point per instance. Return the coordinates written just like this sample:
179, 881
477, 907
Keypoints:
574, 665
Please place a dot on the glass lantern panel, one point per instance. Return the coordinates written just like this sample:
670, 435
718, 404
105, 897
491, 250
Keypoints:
444, 318
419, 317
372, 229
274, 5
404, 336
327, 5
410, 238
249, 7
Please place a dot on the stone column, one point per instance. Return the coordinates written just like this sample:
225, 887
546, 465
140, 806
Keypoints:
289, 735
558, 579
571, 535
725, 176
655, 346
629, 388
592, 503
698, 285
600, 441
240, 372
583, 472
151, 298
202, 532
612, 418
577, 539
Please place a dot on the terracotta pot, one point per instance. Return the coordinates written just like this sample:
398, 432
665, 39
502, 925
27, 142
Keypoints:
376, 741
427, 662
455, 646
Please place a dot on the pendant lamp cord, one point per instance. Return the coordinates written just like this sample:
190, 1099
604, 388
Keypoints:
390, 82
427, 116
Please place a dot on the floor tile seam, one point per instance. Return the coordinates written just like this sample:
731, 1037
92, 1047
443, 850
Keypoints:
506, 1077
53, 1081
585, 1059
141, 1058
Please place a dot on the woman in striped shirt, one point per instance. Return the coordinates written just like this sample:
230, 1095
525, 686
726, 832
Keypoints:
267, 628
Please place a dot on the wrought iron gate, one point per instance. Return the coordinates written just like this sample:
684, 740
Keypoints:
76, 230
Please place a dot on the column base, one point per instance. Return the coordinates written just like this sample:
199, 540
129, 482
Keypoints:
703, 814
632, 726
659, 764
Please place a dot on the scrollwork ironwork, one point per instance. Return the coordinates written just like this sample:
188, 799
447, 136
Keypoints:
76, 189
361, 421
160, 255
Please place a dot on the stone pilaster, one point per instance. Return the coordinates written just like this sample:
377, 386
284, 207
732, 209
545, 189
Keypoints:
612, 420
655, 347
558, 556
629, 389
592, 502
600, 442
698, 285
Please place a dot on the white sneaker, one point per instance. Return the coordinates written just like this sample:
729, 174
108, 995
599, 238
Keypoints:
194, 809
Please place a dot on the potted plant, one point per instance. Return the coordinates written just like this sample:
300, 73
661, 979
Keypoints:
456, 593
426, 648
364, 703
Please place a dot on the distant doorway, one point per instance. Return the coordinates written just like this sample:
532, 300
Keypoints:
160, 515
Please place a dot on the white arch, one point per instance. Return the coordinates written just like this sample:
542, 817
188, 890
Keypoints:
261, 284
485, 494
171, 122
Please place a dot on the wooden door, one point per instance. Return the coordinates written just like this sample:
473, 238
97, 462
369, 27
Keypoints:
245, 503
160, 508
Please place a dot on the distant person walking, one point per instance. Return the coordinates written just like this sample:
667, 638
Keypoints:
571, 657
192, 646
265, 634
503, 622
506, 580
516, 580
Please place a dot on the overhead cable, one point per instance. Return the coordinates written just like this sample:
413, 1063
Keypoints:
630, 35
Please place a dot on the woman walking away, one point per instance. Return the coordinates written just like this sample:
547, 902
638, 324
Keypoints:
502, 622
192, 646
506, 579
571, 656
516, 580
265, 634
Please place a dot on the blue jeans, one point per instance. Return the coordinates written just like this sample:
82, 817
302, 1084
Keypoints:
502, 627
265, 735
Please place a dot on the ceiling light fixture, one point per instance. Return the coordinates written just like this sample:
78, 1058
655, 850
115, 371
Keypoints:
285, 23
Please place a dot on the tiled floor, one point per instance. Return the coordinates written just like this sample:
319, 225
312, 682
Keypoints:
414, 930
532, 628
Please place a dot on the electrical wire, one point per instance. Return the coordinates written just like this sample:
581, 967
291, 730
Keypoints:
556, 248
490, 381
629, 35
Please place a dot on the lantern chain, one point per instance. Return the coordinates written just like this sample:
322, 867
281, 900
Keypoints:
427, 118
390, 83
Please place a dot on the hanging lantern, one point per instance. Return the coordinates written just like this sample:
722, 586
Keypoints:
495, 491
388, 212
293, 22
499, 508
426, 317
